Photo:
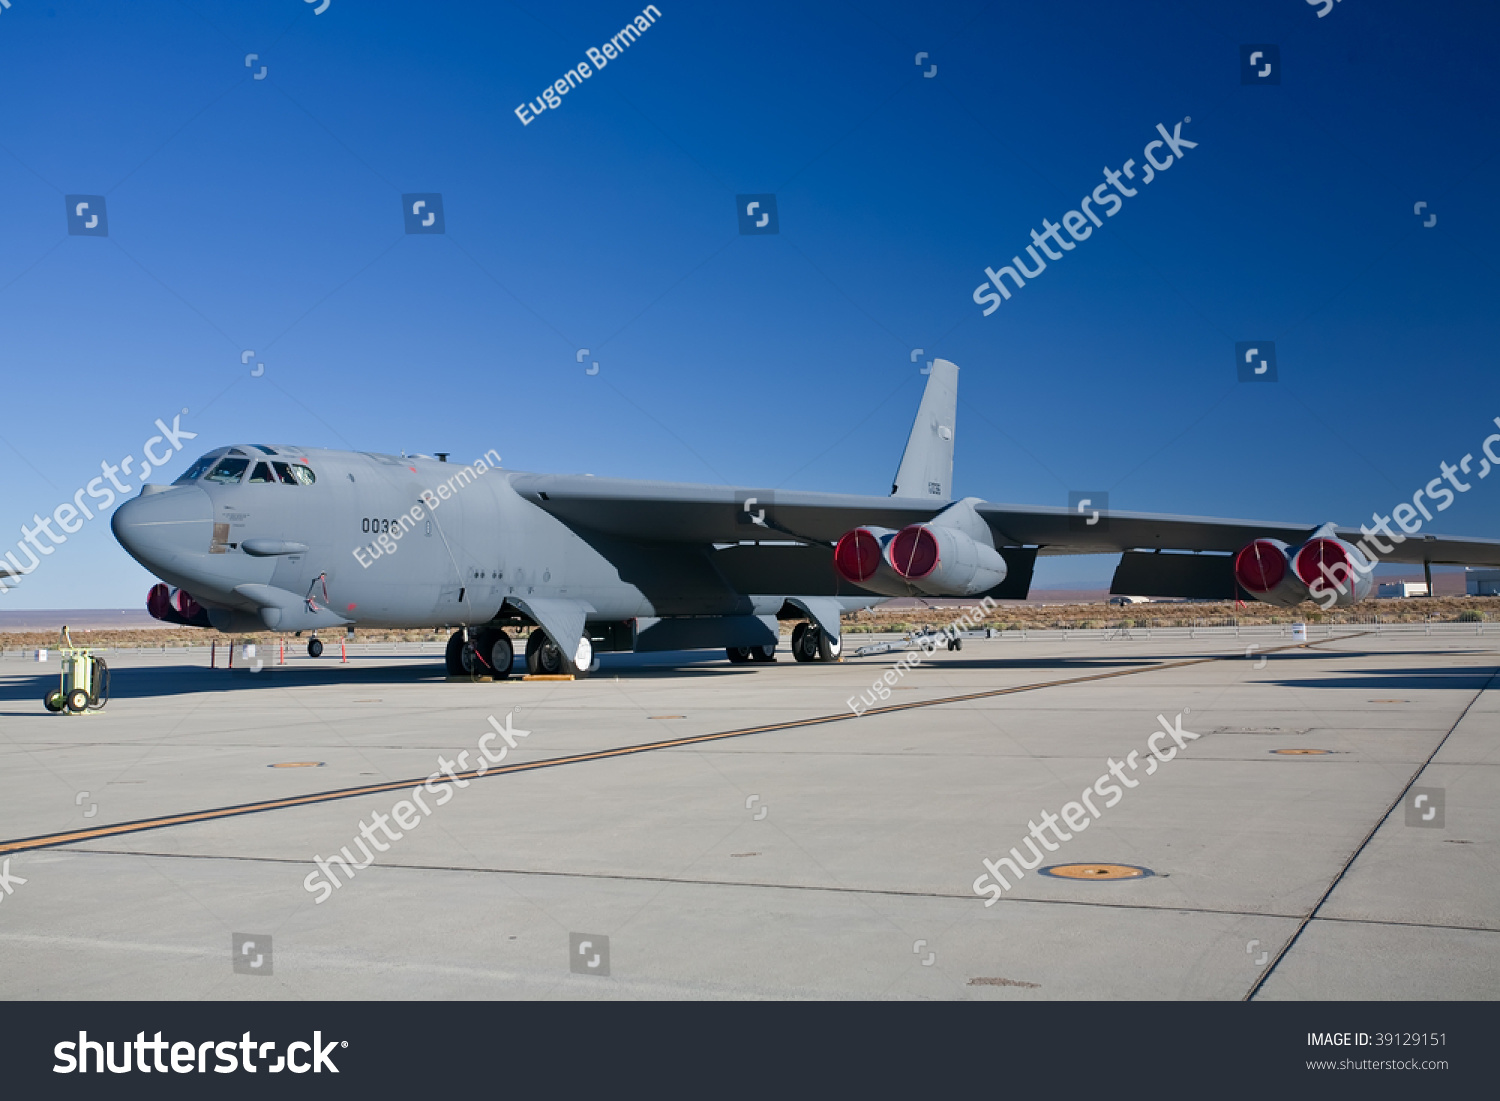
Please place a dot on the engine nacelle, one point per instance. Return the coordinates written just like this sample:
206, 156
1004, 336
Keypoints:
1264, 570
172, 605
942, 561
1325, 569
859, 558
1335, 572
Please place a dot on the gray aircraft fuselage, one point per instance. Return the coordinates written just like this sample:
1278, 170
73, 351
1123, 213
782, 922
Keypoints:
394, 542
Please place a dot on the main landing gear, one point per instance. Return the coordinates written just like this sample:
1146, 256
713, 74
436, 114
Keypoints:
545, 659
488, 654
811, 643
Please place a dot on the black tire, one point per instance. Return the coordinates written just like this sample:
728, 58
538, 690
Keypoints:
453, 655
494, 654
78, 700
315, 647
958, 644
543, 658
53, 700
766, 653
829, 649
800, 650
738, 655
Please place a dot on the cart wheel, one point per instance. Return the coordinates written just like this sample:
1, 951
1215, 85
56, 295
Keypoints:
53, 700
78, 700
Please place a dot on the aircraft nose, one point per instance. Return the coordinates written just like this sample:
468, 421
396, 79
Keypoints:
158, 527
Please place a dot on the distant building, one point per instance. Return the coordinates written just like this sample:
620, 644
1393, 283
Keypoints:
1482, 582
1403, 589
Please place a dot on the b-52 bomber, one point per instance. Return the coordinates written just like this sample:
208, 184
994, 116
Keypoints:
293, 539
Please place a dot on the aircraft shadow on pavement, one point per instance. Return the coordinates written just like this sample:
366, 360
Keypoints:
127, 683
158, 681
1456, 678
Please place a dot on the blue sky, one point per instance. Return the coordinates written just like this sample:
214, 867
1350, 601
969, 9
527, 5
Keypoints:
266, 215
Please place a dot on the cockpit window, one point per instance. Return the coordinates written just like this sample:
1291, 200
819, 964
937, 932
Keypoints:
262, 475
196, 471
303, 474
229, 471
284, 473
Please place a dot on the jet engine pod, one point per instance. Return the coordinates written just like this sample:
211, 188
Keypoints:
1264, 570
940, 561
1335, 572
159, 603
860, 559
188, 608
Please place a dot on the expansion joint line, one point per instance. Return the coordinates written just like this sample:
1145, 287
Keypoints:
1337, 879
44, 841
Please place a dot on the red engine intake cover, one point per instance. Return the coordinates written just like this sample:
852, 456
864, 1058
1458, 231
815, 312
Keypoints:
186, 606
914, 552
1320, 553
1260, 567
159, 601
857, 556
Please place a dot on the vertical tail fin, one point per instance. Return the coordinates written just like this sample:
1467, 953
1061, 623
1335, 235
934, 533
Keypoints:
927, 464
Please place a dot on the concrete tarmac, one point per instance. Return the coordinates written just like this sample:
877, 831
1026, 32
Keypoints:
831, 859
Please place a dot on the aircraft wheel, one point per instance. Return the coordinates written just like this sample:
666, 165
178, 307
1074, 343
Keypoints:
799, 639
763, 653
582, 663
829, 649
53, 701
738, 654
314, 647
78, 700
543, 658
495, 648
958, 643
453, 656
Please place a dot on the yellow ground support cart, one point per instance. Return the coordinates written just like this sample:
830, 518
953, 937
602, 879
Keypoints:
83, 684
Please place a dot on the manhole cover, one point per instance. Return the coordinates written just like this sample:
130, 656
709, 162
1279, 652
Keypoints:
1097, 871
297, 764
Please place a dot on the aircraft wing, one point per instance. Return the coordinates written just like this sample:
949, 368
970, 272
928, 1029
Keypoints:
669, 512
679, 512
1161, 555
